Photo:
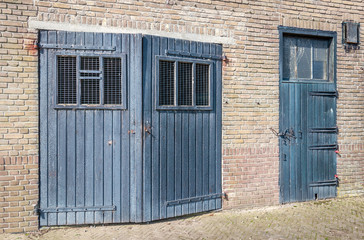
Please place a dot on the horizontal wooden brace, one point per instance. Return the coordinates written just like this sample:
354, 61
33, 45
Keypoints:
194, 199
77, 209
75, 47
325, 94
323, 183
324, 130
324, 147
195, 55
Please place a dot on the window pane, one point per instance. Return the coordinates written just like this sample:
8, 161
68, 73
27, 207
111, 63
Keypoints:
289, 57
112, 80
320, 58
184, 84
90, 63
304, 58
67, 79
166, 83
90, 82
90, 91
202, 84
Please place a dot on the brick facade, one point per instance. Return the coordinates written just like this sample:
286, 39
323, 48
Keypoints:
248, 31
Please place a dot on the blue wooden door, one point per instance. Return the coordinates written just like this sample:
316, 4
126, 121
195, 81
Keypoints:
113, 148
182, 127
307, 152
90, 128
308, 131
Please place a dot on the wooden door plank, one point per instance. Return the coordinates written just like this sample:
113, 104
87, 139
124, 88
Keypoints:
148, 126
71, 166
156, 191
44, 101
125, 147
108, 167
80, 165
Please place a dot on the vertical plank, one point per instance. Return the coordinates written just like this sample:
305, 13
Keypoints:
292, 145
156, 138
71, 165
80, 155
137, 87
89, 164
62, 153
108, 163
52, 135
177, 171
80, 165
147, 116
218, 109
163, 160
116, 165
43, 127
90, 153
185, 147
192, 148
171, 138
99, 163
62, 165
212, 148
185, 161
298, 142
192, 161
125, 148
163, 147
199, 151
310, 140
304, 134
205, 158
116, 40
284, 144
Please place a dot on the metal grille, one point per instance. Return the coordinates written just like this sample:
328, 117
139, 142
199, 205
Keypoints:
112, 80
90, 80
166, 83
67, 80
202, 84
184, 84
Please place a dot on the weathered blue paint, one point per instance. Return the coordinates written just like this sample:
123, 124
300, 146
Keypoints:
89, 158
184, 146
308, 109
125, 164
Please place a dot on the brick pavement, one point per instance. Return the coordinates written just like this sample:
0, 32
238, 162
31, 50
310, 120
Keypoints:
341, 218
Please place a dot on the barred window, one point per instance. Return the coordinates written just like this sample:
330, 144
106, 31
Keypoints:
90, 81
184, 84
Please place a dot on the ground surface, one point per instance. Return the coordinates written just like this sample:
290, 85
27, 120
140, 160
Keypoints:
331, 219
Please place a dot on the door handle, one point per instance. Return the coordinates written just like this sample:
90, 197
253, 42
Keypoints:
300, 134
148, 128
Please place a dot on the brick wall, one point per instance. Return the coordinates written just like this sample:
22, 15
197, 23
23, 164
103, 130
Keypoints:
18, 117
250, 78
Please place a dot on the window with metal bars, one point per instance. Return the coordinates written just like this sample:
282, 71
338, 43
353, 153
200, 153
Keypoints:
91, 81
184, 83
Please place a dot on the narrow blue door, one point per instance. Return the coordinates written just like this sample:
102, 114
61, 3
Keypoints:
308, 131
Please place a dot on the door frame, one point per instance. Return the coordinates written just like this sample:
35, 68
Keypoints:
303, 32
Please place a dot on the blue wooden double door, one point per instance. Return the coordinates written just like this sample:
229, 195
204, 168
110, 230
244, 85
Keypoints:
130, 127
308, 141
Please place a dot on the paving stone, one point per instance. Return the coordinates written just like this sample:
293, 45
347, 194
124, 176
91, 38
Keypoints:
341, 218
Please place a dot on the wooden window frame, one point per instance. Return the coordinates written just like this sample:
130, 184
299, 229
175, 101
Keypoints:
101, 57
314, 34
176, 60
